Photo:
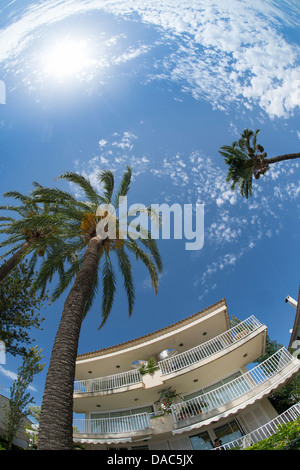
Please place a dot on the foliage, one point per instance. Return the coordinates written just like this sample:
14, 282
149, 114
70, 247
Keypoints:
79, 222
92, 251
166, 398
289, 394
20, 398
34, 233
271, 348
19, 309
4, 445
191, 409
244, 158
285, 434
148, 368
286, 396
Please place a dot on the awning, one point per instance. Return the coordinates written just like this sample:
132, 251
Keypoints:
267, 391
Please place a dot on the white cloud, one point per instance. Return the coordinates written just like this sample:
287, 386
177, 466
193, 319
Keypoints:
227, 52
13, 376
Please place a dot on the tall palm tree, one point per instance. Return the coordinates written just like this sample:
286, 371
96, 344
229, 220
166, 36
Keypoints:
33, 232
246, 159
92, 269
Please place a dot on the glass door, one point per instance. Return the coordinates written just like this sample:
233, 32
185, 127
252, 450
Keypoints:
228, 432
201, 441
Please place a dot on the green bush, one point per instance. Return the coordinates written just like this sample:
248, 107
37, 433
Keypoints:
285, 434
4, 444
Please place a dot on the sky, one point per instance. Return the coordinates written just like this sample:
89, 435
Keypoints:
161, 85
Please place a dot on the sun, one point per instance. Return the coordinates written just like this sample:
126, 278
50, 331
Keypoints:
66, 59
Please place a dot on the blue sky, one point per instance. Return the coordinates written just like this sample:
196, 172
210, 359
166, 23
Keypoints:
161, 86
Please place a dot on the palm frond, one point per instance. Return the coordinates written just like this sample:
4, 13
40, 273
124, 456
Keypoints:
126, 270
146, 259
106, 177
124, 186
83, 183
109, 289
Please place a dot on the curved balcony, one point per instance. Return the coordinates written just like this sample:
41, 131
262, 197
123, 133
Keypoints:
174, 365
264, 431
245, 389
109, 383
121, 427
211, 347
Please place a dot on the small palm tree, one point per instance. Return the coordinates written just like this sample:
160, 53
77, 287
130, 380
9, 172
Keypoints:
34, 232
92, 269
246, 159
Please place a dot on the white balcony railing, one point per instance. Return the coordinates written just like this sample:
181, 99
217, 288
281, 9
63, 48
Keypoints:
264, 431
111, 382
196, 408
116, 425
213, 346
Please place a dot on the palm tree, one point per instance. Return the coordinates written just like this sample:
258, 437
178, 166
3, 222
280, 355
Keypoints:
34, 232
91, 268
246, 159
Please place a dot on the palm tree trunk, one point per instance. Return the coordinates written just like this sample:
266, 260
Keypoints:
55, 430
280, 158
9, 265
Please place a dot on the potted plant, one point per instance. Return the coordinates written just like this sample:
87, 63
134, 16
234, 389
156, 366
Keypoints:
148, 368
166, 397
191, 409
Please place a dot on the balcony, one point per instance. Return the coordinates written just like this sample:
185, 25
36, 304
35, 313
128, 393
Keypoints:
172, 366
219, 343
226, 399
264, 431
113, 428
109, 383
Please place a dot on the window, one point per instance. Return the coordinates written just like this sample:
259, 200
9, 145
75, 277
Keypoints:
228, 432
120, 420
214, 387
114, 414
201, 441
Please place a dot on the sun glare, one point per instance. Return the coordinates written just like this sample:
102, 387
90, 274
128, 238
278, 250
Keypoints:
67, 59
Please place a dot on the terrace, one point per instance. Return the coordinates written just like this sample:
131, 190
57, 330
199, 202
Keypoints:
239, 392
173, 366
198, 411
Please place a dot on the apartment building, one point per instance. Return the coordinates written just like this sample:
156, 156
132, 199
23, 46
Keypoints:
180, 388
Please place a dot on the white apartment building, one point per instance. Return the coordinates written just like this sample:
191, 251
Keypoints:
203, 362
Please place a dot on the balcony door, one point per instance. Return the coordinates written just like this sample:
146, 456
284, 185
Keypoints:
226, 433
201, 441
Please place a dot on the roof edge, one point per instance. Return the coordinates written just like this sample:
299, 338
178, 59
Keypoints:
154, 334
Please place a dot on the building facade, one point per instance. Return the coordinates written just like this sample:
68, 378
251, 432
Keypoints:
180, 388
22, 436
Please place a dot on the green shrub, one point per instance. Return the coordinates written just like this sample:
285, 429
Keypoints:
285, 434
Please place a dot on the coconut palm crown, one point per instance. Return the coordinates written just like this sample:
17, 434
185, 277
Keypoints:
91, 269
78, 219
246, 158
33, 232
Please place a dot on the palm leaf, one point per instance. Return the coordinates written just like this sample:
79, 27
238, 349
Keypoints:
109, 289
83, 183
126, 270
